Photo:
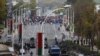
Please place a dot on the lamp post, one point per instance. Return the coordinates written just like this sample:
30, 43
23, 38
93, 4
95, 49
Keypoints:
67, 13
70, 17
19, 16
18, 12
43, 30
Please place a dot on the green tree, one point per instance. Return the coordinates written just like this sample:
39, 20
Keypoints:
84, 19
59, 11
18, 5
97, 30
33, 6
3, 11
70, 1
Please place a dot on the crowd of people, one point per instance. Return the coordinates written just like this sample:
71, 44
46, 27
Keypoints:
50, 19
27, 46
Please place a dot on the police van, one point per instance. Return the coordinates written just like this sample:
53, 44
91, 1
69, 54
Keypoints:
54, 50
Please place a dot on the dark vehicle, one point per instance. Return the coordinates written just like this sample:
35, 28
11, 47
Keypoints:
54, 51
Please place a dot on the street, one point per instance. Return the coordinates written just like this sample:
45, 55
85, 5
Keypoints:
50, 27
49, 30
34, 52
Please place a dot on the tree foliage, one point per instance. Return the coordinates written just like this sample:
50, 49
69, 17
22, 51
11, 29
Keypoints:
97, 30
70, 1
33, 4
59, 11
18, 5
3, 10
84, 17
85, 20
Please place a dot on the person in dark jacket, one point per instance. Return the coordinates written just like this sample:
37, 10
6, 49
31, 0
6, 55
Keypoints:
31, 53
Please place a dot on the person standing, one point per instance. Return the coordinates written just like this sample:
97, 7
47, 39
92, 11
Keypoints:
56, 41
31, 53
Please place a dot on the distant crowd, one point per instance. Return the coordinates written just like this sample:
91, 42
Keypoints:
40, 19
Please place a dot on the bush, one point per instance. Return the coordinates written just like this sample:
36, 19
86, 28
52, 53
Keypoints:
69, 45
98, 43
98, 54
2, 26
85, 50
8, 43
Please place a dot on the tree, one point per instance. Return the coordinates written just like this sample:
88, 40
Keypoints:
97, 30
70, 1
18, 5
59, 11
33, 6
84, 18
3, 11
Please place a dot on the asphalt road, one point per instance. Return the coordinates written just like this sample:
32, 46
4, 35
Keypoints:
35, 52
49, 31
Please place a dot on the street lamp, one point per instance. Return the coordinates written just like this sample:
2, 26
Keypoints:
70, 18
67, 13
19, 12
23, 10
43, 24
